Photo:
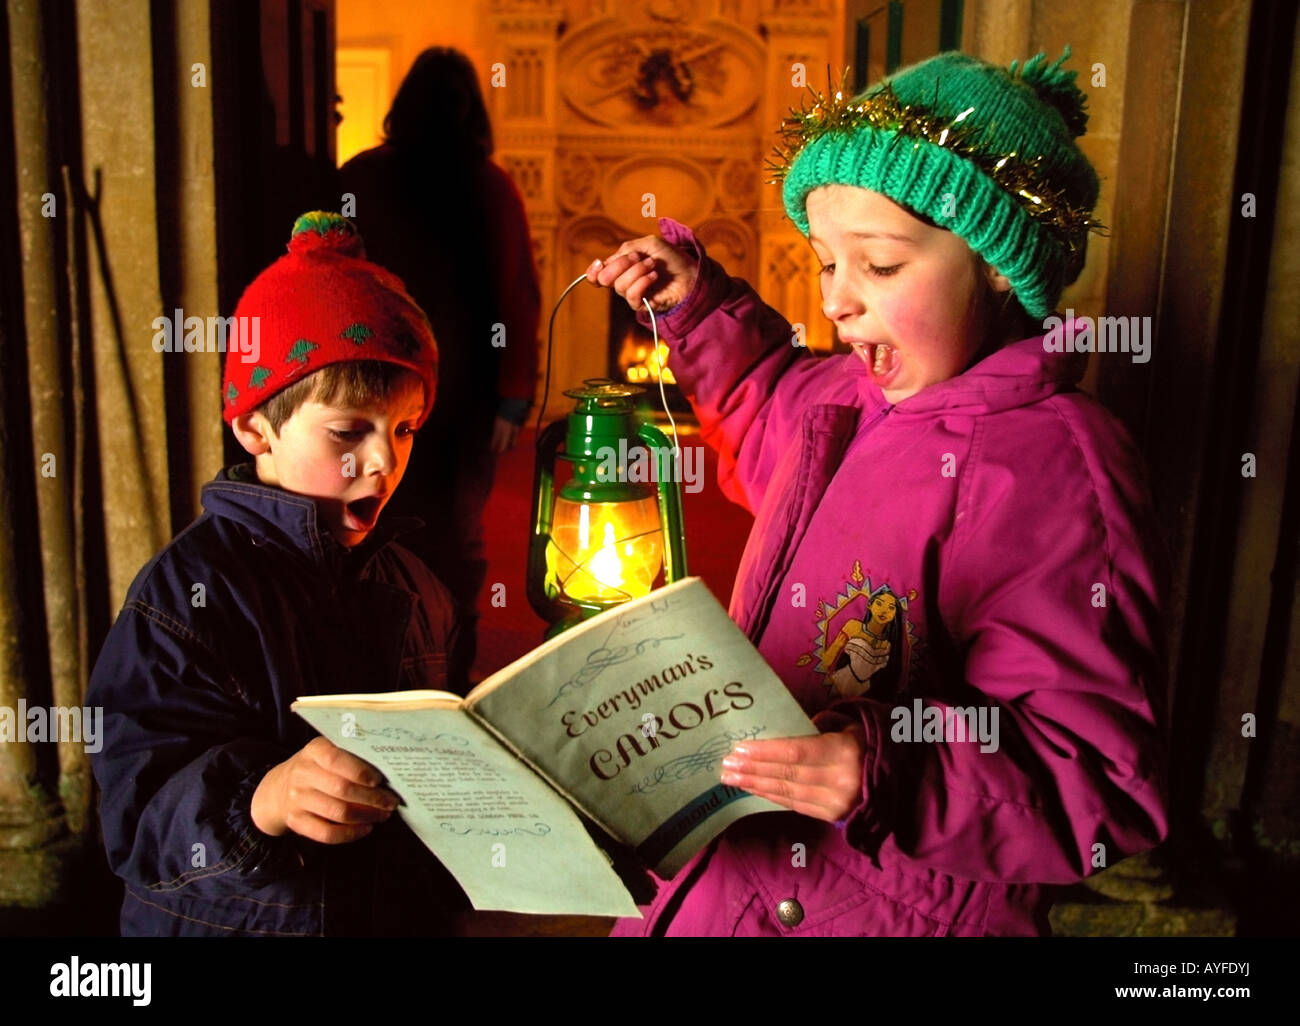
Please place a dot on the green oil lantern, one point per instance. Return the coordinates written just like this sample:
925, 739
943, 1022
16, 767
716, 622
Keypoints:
603, 538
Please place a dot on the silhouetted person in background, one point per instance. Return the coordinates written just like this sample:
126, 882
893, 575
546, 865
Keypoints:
436, 211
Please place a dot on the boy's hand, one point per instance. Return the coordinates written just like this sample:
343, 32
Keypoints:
818, 776
648, 266
322, 793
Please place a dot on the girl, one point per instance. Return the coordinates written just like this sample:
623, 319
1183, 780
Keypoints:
951, 465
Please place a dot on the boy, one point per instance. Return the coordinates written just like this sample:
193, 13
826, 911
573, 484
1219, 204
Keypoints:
220, 811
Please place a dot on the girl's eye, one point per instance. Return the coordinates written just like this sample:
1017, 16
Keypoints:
879, 272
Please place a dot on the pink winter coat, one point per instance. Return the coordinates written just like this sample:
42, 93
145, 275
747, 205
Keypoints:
986, 545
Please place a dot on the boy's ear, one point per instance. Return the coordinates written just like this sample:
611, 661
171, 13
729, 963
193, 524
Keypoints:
253, 431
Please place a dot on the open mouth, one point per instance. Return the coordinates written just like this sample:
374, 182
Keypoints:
361, 514
884, 361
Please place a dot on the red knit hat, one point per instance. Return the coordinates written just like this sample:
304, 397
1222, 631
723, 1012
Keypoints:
324, 303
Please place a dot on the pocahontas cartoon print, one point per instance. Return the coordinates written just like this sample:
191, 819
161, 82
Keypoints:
865, 643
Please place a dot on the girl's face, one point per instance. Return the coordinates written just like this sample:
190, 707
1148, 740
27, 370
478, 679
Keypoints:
910, 299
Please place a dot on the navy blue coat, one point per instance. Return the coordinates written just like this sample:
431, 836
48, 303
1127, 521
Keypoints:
248, 608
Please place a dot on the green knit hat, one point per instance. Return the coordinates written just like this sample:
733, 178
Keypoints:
986, 152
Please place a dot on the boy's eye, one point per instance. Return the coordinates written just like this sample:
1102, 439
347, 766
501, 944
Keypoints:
346, 436
828, 269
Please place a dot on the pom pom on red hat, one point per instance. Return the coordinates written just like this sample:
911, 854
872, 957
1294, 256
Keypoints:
323, 303
321, 231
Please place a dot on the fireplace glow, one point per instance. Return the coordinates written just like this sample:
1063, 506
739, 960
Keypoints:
639, 364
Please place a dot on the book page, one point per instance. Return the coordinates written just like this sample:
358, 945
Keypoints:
631, 714
512, 843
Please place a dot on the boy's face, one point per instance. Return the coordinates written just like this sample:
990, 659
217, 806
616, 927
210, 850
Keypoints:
349, 458
906, 296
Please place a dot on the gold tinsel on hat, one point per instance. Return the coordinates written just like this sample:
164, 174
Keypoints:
1022, 177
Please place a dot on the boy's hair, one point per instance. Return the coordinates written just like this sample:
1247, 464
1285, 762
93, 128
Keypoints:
352, 383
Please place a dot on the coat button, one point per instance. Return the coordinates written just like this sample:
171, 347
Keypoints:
790, 912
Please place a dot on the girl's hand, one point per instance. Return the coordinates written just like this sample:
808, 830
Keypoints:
817, 776
648, 266
323, 793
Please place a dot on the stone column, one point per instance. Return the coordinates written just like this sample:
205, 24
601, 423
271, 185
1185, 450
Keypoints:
92, 420
36, 664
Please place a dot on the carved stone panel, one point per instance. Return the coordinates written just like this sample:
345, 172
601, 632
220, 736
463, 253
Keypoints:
638, 190
733, 244
701, 75
578, 182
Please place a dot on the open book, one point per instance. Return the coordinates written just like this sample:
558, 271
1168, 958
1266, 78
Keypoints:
626, 718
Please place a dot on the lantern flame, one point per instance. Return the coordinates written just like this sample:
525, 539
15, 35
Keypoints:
605, 565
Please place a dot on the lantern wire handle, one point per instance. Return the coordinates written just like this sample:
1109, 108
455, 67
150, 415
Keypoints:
663, 396
550, 344
659, 359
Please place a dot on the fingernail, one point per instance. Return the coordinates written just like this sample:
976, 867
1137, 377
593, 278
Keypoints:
731, 762
597, 263
739, 750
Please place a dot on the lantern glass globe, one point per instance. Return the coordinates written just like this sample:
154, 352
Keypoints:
606, 552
